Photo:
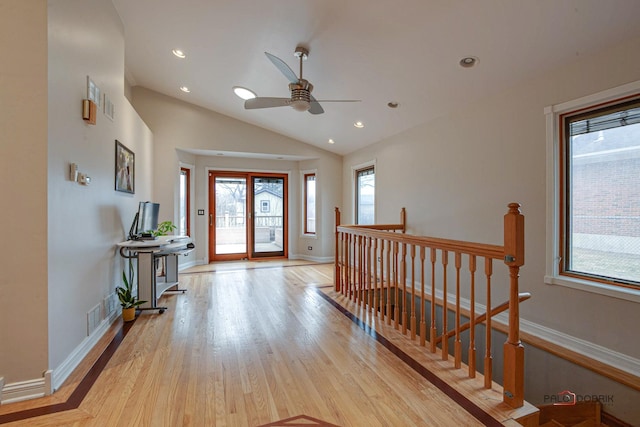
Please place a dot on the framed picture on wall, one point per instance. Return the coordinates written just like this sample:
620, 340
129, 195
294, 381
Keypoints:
125, 169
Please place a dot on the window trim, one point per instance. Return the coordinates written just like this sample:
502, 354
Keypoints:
305, 231
188, 170
555, 160
354, 182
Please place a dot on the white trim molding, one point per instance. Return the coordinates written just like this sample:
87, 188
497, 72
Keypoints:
25, 390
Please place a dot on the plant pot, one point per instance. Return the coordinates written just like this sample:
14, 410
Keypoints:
128, 314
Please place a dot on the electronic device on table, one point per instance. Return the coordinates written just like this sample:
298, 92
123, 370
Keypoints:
145, 222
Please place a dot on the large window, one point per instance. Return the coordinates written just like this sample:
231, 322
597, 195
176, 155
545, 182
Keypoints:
365, 195
310, 203
597, 223
184, 228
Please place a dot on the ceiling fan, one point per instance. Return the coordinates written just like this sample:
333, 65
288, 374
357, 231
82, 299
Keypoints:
301, 98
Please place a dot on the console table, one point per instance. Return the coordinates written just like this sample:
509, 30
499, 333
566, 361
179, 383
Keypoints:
147, 252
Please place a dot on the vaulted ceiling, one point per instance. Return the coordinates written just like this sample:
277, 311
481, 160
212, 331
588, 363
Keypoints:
403, 51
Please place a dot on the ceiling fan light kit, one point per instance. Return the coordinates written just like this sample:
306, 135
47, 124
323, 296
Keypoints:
300, 89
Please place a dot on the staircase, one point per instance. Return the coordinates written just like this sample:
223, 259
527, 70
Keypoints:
581, 414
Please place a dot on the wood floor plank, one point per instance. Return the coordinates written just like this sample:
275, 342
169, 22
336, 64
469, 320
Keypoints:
250, 346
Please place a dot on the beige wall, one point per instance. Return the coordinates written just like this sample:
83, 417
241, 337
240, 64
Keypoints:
85, 222
179, 126
23, 180
459, 172
61, 261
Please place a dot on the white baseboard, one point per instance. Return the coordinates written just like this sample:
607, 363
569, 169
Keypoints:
312, 258
62, 372
186, 265
25, 390
594, 351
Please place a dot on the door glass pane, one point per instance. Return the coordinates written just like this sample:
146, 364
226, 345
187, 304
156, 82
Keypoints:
268, 215
231, 202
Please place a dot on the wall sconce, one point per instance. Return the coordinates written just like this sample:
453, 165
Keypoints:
79, 177
89, 111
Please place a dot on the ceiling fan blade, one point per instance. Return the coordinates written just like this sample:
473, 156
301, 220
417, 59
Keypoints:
265, 102
314, 106
338, 100
283, 67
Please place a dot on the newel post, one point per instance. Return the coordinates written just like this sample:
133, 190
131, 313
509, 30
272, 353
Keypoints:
336, 272
513, 349
403, 219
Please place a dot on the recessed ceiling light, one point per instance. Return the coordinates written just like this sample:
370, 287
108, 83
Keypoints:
331, 141
180, 54
468, 61
359, 125
243, 92
185, 89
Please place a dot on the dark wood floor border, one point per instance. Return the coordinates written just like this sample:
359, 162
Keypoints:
443, 386
78, 395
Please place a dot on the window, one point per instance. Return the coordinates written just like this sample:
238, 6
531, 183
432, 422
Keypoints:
596, 230
264, 206
184, 228
365, 195
310, 203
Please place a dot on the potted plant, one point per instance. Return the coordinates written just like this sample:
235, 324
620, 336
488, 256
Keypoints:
128, 300
164, 228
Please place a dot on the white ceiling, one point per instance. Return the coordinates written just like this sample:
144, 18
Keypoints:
379, 51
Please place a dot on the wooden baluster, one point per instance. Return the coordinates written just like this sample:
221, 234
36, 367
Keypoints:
488, 359
396, 312
390, 283
458, 343
413, 292
423, 305
359, 285
384, 287
445, 309
347, 276
338, 261
354, 269
363, 272
434, 330
472, 318
376, 292
370, 291
403, 280
513, 349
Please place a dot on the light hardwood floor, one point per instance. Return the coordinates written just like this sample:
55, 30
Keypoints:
248, 345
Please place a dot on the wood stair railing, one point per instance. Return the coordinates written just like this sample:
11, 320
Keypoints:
398, 279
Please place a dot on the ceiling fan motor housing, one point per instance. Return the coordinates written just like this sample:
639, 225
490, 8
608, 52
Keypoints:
301, 95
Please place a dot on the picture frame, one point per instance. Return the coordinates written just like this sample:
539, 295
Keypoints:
125, 169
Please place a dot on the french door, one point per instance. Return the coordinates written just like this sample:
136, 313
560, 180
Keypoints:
247, 215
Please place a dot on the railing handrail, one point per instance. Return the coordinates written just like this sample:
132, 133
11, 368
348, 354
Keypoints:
360, 250
468, 248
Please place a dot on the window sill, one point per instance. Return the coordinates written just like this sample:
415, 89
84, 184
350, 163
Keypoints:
309, 236
619, 292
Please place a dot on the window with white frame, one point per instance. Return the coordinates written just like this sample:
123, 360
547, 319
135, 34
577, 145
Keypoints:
365, 195
184, 226
309, 203
596, 206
